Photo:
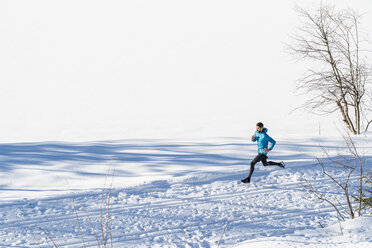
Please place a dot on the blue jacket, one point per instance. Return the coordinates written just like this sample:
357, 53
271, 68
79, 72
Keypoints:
263, 140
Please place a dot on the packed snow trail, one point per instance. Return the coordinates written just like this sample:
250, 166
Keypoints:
189, 209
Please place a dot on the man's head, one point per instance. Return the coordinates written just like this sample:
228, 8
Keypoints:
259, 127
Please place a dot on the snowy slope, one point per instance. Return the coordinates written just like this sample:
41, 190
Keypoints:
150, 82
170, 194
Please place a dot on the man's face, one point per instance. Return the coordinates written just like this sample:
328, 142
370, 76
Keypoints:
259, 129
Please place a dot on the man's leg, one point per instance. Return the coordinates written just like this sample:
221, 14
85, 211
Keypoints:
253, 162
268, 163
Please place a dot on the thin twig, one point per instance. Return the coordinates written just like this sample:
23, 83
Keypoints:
227, 224
50, 238
78, 221
339, 223
33, 235
93, 229
320, 224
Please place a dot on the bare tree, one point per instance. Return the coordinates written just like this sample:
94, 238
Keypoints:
339, 78
353, 166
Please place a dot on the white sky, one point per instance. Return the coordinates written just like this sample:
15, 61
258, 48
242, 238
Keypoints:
115, 69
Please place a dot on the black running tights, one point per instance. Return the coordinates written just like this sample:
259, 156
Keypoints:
263, 159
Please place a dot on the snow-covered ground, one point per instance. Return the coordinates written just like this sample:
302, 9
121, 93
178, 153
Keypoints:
123, 100
171, 193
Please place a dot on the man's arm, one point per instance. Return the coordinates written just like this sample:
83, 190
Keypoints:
272, 143
253, 138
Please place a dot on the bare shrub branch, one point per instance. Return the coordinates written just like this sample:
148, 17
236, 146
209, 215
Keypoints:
349, 164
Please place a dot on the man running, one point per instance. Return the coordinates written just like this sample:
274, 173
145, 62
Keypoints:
263, 140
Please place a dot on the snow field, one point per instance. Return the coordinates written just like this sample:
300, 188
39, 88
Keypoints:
186, 206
